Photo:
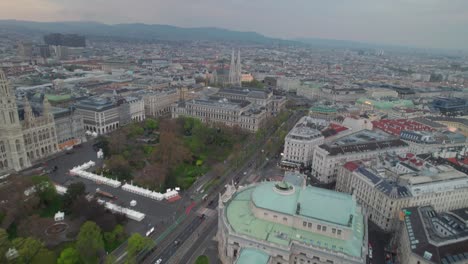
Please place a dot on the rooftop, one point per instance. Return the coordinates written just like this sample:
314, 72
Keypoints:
251, 256
95, 104
383, 104
314, 203
361, 141
220, 102
446, 244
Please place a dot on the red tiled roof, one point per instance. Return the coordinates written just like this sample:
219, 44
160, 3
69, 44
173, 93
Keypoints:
351, 166
453, 160
395, 126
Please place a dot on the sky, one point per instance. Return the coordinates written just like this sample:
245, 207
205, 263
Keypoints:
419, 23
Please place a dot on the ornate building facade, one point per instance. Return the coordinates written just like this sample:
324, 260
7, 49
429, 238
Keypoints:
23, 141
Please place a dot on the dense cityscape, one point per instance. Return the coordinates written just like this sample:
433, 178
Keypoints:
227, 149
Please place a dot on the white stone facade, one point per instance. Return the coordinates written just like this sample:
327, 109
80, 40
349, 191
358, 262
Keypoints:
158, 103
137, 109
328, 157
446, 191
300, 142
225, 112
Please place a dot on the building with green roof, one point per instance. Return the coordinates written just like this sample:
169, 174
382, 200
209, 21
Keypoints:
383, 104
323, 112
290, 224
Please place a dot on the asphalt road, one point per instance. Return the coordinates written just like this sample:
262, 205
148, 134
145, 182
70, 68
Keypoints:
171, 249
378, 240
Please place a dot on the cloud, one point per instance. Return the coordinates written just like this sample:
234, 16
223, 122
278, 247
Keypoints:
428, 23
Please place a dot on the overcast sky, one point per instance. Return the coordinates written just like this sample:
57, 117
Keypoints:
423, 23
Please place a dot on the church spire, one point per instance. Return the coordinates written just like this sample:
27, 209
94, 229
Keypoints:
238, 70
4, 86
46, 107
28, 112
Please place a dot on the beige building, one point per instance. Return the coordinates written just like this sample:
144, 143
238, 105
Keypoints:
260, 97
363, 144
23, 142
277, 222
430, 237
230, 113
158, 103
385, 185
300, 142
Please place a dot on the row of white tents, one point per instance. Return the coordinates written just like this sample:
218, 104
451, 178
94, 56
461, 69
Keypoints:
81, 172
151, 194
132, 214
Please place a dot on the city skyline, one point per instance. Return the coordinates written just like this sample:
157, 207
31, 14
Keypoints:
414, 23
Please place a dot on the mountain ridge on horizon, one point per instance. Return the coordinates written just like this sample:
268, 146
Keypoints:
162, 32
137, 31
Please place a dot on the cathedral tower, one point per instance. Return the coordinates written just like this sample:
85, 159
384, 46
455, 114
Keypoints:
12, 148
235, 70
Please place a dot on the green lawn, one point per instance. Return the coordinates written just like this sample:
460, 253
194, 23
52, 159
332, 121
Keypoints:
202, 260
54, 206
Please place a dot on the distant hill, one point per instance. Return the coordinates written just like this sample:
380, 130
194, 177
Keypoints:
135, 31
332, 43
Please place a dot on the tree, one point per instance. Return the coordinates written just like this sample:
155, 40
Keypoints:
4, 245
253, 84
89, 243
151, 124
15, 205
119, 167
74, 191
30, 250
110, 259
95, 212
202, 260
135, 131
137, 243
69, 256
45, 190
114, 238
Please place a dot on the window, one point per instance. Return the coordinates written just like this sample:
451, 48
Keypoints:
339, 232
285, 219
334, 230
304, 223
309, 225
319, 227
324, 228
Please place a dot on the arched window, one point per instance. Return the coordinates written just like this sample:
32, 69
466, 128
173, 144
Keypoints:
5, 163
21, 162
1, 165
2, 147
18, 145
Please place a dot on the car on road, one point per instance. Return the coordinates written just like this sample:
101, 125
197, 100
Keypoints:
370, 251
158, 261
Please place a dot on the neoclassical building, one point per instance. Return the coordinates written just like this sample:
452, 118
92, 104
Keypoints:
276, 222
300, 142
23, 141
